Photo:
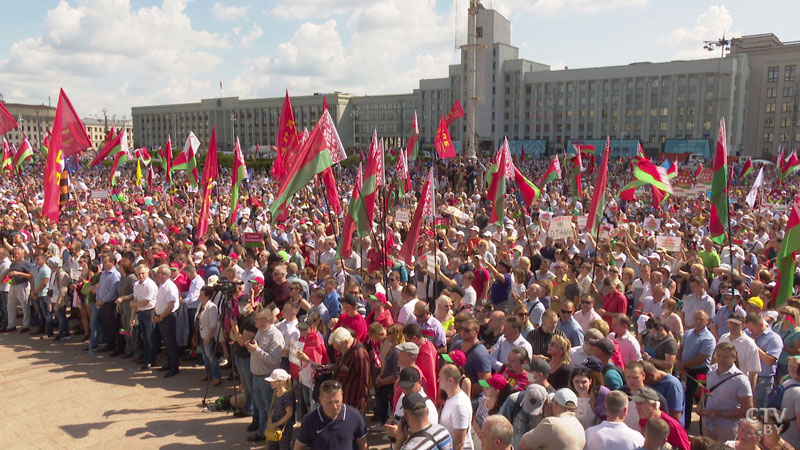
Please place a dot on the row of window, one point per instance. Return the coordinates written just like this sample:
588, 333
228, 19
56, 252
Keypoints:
773, 73
785, 122
785, 107
772, 92
782, 137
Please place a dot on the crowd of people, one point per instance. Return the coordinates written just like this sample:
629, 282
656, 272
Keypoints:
496, 336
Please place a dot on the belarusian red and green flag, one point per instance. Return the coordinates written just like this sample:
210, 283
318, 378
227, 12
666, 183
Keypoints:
786, 256
239, 174
7, 164
577, 164
412, 148
425, 209
112, 145
120, 158
322, 149
497, 190
598, 204
747, 168
527, 189
166, 159
355, 216
401, 174
373, 175
186, 159
553, 172
24, 154
791, 165
719, 187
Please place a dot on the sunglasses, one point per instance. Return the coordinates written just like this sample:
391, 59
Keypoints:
585, 303
566, 312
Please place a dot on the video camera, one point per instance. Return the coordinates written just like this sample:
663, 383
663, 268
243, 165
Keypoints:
226, 287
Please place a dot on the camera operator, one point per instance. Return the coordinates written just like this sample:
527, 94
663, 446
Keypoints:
242, 331
415, 430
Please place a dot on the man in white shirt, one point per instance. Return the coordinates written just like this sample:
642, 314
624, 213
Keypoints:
612, 432
167, 303
327, 253
251, 272
288, 328
747, 359
628, 345
144, 301
586, 314
406, 314
511, 338
456, 413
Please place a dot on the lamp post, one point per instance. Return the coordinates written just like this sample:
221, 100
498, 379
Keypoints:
724, 46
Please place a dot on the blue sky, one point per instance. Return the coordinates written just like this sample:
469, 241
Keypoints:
122, 53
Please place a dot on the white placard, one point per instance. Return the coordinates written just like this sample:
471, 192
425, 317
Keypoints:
102, 194
605, 231
582, 222
652, 224
545, 215
455, 212
402, 215
560, 227
669, 243
294, 347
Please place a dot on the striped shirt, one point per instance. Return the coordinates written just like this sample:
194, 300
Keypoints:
434, 437
539, 340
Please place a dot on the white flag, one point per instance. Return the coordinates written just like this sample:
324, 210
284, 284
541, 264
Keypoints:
751, 196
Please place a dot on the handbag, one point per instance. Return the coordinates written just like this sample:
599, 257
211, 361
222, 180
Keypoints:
276, 434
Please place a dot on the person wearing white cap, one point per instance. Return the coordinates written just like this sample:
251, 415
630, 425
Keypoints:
281, 410
560, 431
58, 286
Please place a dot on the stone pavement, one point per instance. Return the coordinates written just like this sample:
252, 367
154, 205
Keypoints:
58, 397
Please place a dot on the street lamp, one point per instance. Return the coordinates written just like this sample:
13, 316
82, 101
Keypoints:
723, 44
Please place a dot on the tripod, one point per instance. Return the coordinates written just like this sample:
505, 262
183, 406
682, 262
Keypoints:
225, 309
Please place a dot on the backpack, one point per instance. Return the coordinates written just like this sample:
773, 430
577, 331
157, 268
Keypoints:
517, 407
774, 400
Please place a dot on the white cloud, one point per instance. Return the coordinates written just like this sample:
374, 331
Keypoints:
305, 9
551, 7
99, 45
255, 33
709, 26
223, 12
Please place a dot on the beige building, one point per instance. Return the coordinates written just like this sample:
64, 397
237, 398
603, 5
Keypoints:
33, 121
98, 129
771, 105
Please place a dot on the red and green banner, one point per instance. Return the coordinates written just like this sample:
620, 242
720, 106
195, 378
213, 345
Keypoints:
719, 187
598, 204
747, 168
238, 175
505, 170
412, 148
113, 144
529, 192
425, 208
577, 164
553, 172
7, 164
322, 149
119, 158
186, 160
355, 216
786, 256
24, 154
166, 159
791, 165
401, 174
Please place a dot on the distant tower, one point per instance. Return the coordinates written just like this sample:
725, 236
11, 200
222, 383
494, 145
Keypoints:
471, 97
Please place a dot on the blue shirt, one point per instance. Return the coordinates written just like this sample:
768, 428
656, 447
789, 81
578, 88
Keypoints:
107, 286
478, 361
721, 318
318, 431
613, 380
41, 274
695, 343
572, 330
672, 390
535, 311
770, 342
331, 301
500, 291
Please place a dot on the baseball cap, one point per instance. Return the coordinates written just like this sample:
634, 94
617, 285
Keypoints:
496, 381
408, 347
645, 393
734, 293
755, 301
534, 398
379, 296
257, 280
278, 375
414, 401
538, 365
565, 396
603, 344
593, 333
456, 357
304, 323
736, 318
592, 363
409, 376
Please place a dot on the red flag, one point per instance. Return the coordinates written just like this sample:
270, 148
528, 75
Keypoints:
424, 209
69, 135
150, 176
168, 158
698, 171
599, 197
456, 112
331, 191
345, 247
211, 166
442, 142
324, 103
7, 121
288, 139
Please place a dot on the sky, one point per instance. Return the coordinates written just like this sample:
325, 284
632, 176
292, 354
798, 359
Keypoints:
115, 54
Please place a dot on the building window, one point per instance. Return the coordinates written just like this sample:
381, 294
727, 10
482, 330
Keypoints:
769, 122
663, 126
783, 137
479, 32
690, 111
772, 74
709, 110
773, 92
786, 122
627, 126
638, 112
767, 138
653, 112
664, 112
789, 73
787, 106
770, 108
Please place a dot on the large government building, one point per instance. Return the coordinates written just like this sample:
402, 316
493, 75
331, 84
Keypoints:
668, 106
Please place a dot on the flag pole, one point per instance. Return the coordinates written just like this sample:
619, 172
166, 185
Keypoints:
525, 225
25, 203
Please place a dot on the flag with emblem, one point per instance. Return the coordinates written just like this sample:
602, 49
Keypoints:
425, 209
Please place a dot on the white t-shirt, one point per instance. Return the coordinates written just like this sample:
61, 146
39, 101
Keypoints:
746, 352
433, 416
470, 296
457, 415
614, 435
146, 290
406, 314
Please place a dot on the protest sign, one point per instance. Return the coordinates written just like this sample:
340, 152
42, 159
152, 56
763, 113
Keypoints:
560, 227
669, 243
